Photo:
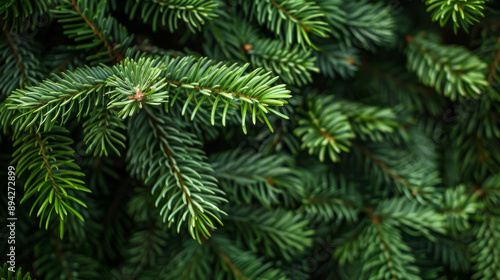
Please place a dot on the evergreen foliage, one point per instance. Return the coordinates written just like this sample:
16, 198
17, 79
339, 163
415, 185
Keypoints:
251, 139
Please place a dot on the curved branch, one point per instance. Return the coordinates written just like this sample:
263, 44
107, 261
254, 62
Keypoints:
108, 46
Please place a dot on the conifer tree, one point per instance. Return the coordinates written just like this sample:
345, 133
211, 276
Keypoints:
250, 139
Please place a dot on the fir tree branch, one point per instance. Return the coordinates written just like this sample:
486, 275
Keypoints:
293, 65
414, 174
242, 263
441, 67
56, 98
333, 60
57, 175
324, 127
186, 184
231, 266
47, 165
24, 16
360, 23
330, 198
118, 56
85, 22
463, 12
246, 176
458, 207
60, 255
301, 17
383, 166
173, 164
102, 132
485, 248
195, 77
14, 49
298, 21
270, 228
494, 66
385, 249
192, 12
486, 245
19, 63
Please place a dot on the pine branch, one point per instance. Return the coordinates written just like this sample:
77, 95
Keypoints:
102, 132
24, 15
275, 232
333, 60
247, 176
328, 198
19, 63
60, 59
185, 183
146, 246
228, 85
192, 261
381, 237
293, 65
85, 23
230, 37
451, 253
58, 97
193, 12
452, 70
242, 264
56, 176
412, 173
370, 122
58, 260
324, 128
75, 91
411, 216
397, 261
217, 83
13, 47
292, 20
462, 12
458, 207
238, 38
136, 84
360, 23
485, 248
398, 86
479, 151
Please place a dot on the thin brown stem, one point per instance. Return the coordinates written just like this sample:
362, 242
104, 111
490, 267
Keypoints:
386, 251
174, 166
60, 256
494, 65
383, 165
47, 166
70, 95
305, 27
231, 266
112, 53
216, 90
14, 50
